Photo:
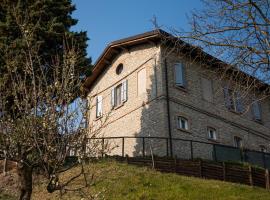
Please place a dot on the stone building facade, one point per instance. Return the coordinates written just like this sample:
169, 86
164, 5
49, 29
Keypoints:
142, 87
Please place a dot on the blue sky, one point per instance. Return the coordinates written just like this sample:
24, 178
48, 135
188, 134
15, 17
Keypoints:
109, 20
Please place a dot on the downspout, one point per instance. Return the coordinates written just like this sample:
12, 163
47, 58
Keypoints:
168, 107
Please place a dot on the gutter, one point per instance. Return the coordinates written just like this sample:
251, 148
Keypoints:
168, 107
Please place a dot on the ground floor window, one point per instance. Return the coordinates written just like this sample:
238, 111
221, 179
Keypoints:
263, 148
237, 142
182, 123
212, 133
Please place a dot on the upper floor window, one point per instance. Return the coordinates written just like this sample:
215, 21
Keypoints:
237, 142
182, 123
119, 94
98, 106
180, 79
212, 133
233, 100
141, 81
207, 89
256, 111
119, 69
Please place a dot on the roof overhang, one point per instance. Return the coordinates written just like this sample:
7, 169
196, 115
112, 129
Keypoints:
114, 49
156, 37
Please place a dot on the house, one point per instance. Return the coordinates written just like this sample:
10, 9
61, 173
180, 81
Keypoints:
147, 86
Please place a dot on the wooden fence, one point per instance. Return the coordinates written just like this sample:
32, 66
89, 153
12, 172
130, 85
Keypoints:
231, 172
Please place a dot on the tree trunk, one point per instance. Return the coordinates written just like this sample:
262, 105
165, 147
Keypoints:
25, 181
5, 163
5, 166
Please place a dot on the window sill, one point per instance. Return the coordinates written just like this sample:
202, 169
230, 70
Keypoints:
213, 140
119, 106
182, 88
258, 121
234, 111
98, 118
184, 130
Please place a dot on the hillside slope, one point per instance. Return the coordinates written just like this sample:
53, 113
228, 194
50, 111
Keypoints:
113, 181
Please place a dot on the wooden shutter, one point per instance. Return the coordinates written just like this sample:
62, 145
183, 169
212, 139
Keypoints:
179, 71
124, 91
99, 106
113, 97
207, 89
256, 110
141, 81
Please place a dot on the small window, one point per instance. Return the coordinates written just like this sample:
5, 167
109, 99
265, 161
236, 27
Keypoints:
179, 70
212, 133
238, 142
182, 123
119, 69
263, 149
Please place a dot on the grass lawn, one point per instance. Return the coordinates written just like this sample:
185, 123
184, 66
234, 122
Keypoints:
113, 180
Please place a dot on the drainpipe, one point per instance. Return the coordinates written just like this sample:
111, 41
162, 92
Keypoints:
168, 107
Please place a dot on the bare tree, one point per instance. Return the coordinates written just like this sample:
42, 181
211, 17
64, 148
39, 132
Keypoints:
45, 117
236, 31
236, 35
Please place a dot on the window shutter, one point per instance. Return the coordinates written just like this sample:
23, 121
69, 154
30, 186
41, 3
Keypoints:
113, 97
227, 97
141, 79
124, 91
99, 106
239, 103
256, 109
207, 89
180, 74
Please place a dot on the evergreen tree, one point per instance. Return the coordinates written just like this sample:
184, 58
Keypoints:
44, 27
42, 63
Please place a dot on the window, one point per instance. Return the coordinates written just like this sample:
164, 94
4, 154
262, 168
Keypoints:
119, 94
119, 69
237, 142
256, 111
182, 123
263, 148
99, 106
233, 100
207, 89
179, 71
141, 81
212, 133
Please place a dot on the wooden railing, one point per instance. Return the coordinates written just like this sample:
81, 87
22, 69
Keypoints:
230, 172
218, 151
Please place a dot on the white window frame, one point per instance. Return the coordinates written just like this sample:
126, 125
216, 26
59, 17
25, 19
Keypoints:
209, 129
179, 123
123, 94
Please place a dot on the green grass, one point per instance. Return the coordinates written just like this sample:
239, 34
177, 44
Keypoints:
113, 181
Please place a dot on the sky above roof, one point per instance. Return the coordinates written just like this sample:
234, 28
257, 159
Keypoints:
109, 20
